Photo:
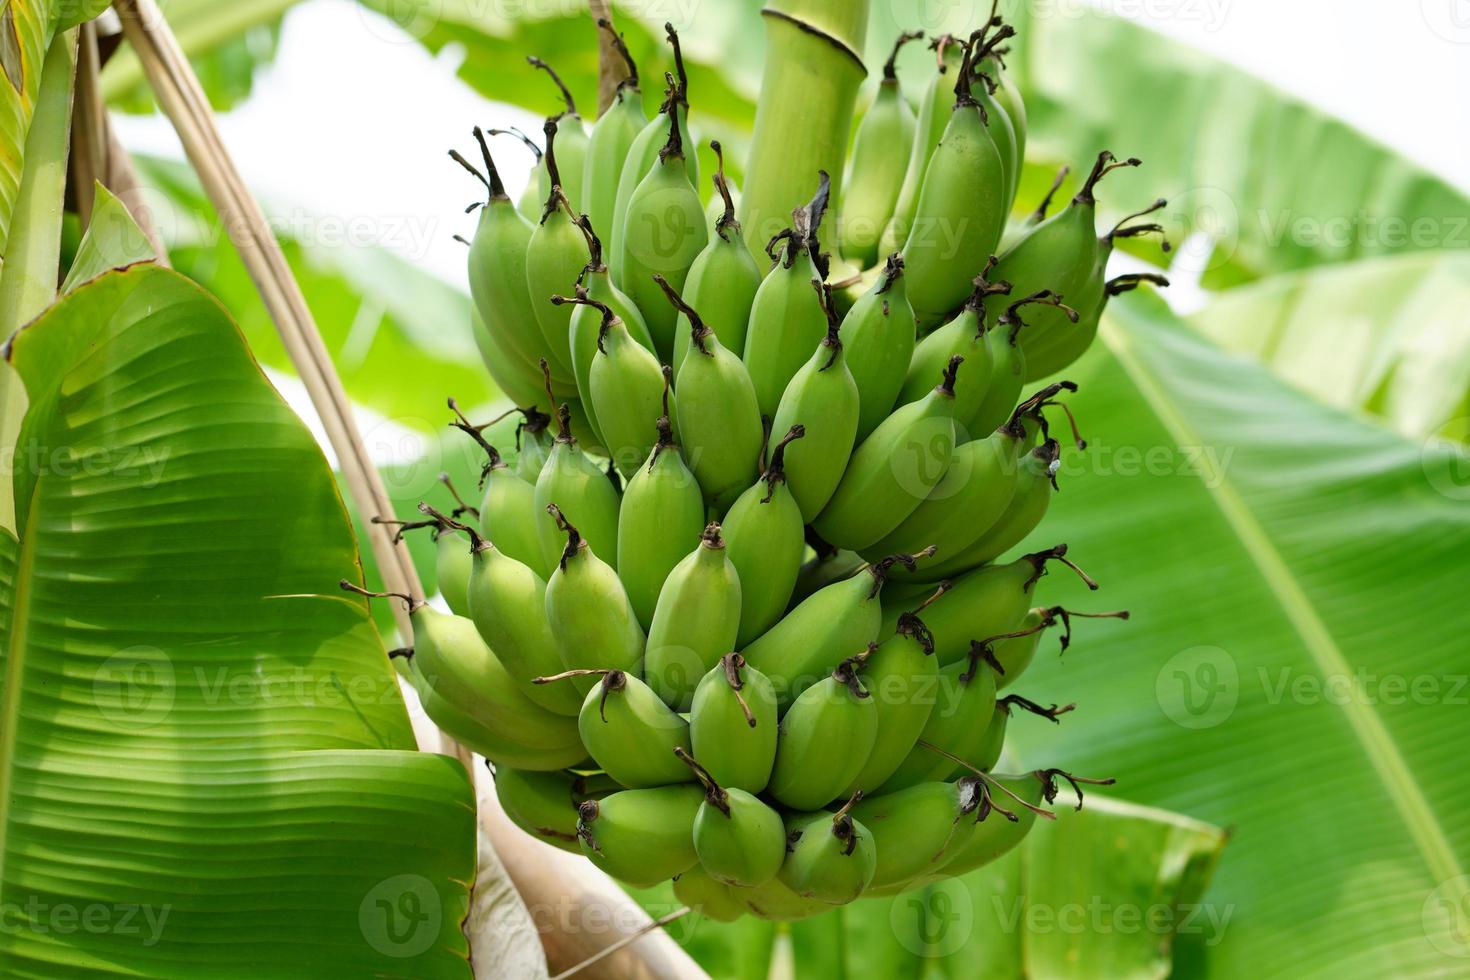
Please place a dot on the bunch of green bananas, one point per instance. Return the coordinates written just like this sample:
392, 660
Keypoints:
739, 614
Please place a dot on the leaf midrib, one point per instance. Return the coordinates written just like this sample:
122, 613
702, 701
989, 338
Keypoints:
14, 669
1383, 753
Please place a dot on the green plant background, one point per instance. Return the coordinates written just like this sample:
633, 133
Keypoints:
1276, 485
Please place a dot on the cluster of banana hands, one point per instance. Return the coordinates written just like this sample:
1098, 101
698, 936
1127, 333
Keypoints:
772, 462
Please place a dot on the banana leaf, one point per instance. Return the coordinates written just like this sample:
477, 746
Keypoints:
207, 768
1295, 666
1385, 336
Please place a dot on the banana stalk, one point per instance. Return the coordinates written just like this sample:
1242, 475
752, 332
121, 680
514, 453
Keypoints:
808, 98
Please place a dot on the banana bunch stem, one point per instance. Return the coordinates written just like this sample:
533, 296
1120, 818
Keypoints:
808, 95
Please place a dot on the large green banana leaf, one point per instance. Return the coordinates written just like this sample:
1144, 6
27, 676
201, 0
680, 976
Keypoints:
1294, 669
207, 770
1387, 336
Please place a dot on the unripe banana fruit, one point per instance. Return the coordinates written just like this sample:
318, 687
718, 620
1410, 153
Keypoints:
826, 738
878, 339
732, 724
740, 840
581, 492
590, 616
629, 732
833, 857
642, 836
695, 623
822, 398
543, 804
714, 392
787, 320
662, 510
912, 827
723, 279
879, 160
765, 540
612, 137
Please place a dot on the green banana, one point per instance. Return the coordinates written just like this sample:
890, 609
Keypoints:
740, 840
664, 232
1008, 361
1002, 127
497, 274
823, 398
786, 321
955, 729
543, 804
976, 491
628, 731
589, 612
641, 836
778, 903
894, 470
878, 340
478, 737
452, 571
723, 279
583, 493
451, 660
833, 858
714, 392
933, 116
1058, 349
627, 385
987, 602
506, 602
912, 827
961, 210
903, 677
880, 153
1063, 253
662, 510
572, 145
612, 137
820, 634
695, 623
765, 540
707, 897
1008, 97
964, 336
826, 737
643, 154
732, 724
585, 326
1035, 483
555, 258
507, 511
990, 747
